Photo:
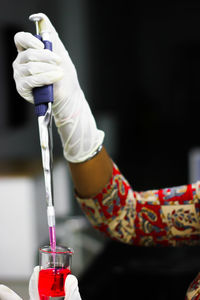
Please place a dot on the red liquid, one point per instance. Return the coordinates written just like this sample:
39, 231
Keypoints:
51, 282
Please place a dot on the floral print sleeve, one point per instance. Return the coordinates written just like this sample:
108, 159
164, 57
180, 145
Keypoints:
193, 292
168, 217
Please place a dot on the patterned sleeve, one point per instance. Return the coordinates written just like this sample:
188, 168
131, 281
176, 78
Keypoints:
193, 292
167, 217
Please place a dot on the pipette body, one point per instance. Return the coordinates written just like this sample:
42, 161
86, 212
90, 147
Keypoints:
43, 99
46, 143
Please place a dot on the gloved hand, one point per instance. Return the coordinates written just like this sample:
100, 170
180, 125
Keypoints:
8, 294
35, 67
71, 288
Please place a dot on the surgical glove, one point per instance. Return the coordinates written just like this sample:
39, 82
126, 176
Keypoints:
35, 67
7, 294
71, 287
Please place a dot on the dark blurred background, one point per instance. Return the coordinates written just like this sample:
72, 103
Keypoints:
139, 66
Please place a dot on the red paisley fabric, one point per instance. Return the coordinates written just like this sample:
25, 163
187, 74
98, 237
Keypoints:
165, 217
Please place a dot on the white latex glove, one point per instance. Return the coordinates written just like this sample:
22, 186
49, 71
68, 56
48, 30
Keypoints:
7, 294
71, 289
35, 67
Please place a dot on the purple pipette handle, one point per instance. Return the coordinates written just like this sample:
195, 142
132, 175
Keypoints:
44, 94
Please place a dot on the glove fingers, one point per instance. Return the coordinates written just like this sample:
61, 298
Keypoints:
38, 55
71, 288
24, 87
42, 79
6, 293
33, 285
25, 40
34, 68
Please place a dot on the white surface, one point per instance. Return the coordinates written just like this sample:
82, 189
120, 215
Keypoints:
23, 219
62, 189
17, 230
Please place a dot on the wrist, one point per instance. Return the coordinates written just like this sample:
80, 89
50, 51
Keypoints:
81, 149
81, 139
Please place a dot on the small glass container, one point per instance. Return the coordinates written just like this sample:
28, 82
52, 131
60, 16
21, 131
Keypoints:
54, 268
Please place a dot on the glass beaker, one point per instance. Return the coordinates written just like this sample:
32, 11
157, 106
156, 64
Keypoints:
54, 268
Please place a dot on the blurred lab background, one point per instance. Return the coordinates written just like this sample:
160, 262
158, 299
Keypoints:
139, 66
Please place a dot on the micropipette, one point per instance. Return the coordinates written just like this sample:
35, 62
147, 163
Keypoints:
43, 99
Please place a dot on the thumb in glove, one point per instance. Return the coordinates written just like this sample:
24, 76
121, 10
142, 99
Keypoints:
7, 294
71, 287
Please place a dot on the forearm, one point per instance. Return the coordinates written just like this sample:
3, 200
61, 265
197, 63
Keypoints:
156, 217
90, 177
